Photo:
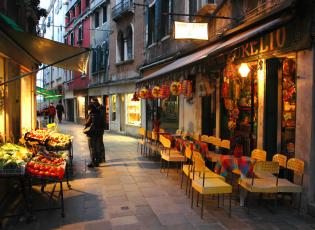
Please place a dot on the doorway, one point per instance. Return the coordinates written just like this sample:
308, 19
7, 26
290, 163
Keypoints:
106, 104
208, 115
70, 110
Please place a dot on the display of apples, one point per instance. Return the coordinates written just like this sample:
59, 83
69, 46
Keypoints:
45, 170
59, 140
40, 134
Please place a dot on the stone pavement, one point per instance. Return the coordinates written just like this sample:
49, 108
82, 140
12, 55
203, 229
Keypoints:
129, 192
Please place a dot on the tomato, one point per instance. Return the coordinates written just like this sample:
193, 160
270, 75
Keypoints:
36, 172
47, 168
47, 173
41, 173
30, 164
53, 174
36, 166
52, 169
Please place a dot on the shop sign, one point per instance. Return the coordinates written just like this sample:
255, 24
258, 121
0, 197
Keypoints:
185, 30
288, 37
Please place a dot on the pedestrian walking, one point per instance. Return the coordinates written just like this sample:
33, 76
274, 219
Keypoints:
93, 131
60, 111
51, 113
102, 111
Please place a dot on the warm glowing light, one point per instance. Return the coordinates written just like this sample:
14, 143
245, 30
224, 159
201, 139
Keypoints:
184, 30
244, 70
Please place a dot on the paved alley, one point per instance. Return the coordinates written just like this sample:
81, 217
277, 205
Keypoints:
129, 192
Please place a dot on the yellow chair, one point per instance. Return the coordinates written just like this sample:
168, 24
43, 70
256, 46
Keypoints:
169, 154
281, 159
196, 136
286, 186
262, 185
204, 138
225, 146
154, 143
162, 130
216, 142
207, 186
187, 168
141, 141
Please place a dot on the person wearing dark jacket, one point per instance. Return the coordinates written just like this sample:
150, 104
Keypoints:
102, 111
94, 134
60, 111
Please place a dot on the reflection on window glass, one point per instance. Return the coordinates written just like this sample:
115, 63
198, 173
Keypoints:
169, 113
81, 107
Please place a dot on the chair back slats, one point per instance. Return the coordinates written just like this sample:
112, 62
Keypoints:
204, 138
178, 132
216, 141
165, 142
259, 155
281, 159
296, 165
267, 166
149, 134
196, 136
225, 144
198, 161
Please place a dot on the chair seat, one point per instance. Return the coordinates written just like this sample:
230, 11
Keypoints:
214, 157
236, 171
173, 155
187, 169
211, 186
285, 185
260, 185
210, 174
265, 175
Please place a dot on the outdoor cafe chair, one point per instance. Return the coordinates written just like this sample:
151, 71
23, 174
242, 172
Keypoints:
207, 186
169, 154
178, 132
281, 159
196, 136
141, 141
286, 186
154, 145
216, 143
225, 147
261, 185
204, 138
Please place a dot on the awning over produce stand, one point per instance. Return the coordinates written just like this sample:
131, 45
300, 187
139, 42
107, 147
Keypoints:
211, 50
49, 94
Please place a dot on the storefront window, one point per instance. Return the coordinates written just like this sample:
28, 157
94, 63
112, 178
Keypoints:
169, 113
240, 106
1, 99
133, 111
288, 118
81, 107
114, 107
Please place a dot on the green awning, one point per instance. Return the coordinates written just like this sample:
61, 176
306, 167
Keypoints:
10, 22
49, 94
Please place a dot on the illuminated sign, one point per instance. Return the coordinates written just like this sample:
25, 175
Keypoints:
185, 30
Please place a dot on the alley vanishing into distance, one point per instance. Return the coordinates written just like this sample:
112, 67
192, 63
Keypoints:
130, 192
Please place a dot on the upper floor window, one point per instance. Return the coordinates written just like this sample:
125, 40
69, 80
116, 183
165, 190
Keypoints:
72, 38
120, 47
80, 33
129, 36
94, 60
79, 6
151, 24
166, 19
105, 53
96, 20
104, 14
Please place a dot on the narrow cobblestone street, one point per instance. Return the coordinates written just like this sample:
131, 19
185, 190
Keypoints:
129, 192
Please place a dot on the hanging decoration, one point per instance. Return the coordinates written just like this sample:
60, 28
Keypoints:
143, 93
230, 70
176, 88
135, 97
225, 88
165, 91
187, 88
156, 92
149, 95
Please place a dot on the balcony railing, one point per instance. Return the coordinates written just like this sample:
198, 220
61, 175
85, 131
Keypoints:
122, 8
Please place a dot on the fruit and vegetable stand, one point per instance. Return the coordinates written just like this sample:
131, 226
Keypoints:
46, 157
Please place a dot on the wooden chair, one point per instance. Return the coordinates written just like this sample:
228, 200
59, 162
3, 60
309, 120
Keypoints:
141, 141
187, 167
169, 154
207, 186
262, 185
286, 186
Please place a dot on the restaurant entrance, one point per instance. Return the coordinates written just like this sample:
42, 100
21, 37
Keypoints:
208, 115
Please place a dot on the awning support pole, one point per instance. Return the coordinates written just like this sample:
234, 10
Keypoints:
42, 68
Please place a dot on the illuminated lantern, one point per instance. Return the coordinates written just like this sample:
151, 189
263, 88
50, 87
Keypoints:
165, 91
143, 93
156, 92
176, 88
149, 95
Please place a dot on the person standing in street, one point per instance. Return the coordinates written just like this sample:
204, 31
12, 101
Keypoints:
60, 111
93, 132
51, 113
102, 111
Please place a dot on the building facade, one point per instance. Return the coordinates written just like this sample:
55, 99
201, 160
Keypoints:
77, 33
253, 79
